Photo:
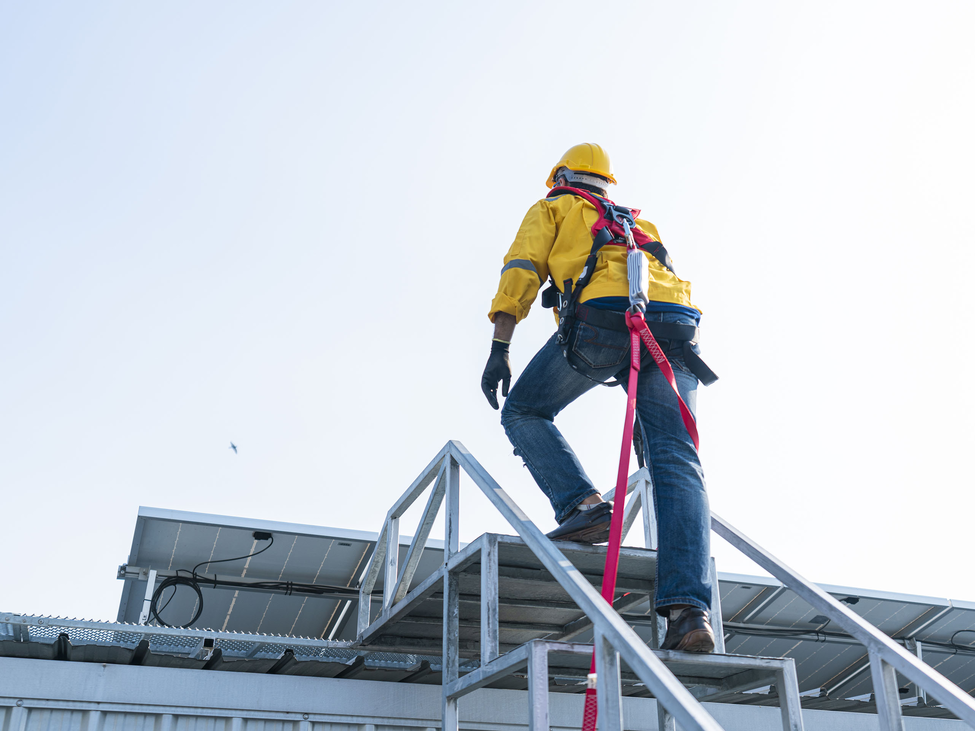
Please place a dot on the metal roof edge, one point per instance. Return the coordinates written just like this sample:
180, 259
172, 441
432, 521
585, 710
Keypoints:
853, 591
229, 521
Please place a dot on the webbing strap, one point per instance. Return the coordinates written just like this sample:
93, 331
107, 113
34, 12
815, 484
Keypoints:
636, 322
638, 331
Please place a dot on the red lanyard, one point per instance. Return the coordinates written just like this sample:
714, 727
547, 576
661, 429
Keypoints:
638, 331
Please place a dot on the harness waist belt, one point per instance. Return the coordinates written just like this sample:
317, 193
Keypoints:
612, 320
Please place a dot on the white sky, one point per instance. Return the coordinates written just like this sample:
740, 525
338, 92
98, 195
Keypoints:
282, 224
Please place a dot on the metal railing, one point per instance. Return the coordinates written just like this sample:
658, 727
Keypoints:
614, 639
886, 656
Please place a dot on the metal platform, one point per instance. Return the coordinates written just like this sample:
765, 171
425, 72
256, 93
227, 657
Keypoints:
531, 604
712, 677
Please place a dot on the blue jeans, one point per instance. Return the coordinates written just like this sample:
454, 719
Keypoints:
550, 383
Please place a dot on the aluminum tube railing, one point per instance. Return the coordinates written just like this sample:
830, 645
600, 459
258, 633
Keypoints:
609, 626
886, 657
885, 654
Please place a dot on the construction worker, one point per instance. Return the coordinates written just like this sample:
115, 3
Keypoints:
592, 347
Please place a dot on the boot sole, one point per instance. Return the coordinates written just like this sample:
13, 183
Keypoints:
591, 534
697, 640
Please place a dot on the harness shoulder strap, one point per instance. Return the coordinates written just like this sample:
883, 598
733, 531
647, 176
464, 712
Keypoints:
613, 232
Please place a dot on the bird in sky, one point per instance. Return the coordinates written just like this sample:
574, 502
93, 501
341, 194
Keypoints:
233, 447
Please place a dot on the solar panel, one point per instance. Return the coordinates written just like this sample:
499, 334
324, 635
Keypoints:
761, 617
764, 618
331, 559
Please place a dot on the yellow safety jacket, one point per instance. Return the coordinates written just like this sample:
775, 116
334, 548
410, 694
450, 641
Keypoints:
555, 240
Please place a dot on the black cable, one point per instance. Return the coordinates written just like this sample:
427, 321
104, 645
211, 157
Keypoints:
965, 649
175, 581
822, 636
193, 583
235, 558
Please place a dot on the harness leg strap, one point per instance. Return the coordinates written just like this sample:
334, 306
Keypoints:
698, 367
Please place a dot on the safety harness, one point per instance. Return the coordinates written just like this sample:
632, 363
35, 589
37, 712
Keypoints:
622, 220
612, 228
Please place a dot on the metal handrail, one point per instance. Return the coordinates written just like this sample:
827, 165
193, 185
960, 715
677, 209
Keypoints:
612, 632
885, 654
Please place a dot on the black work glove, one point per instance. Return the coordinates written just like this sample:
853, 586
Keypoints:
498, 368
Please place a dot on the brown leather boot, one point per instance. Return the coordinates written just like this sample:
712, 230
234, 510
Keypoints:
690, 632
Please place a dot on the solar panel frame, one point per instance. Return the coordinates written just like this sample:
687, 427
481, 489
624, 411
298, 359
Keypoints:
167, 540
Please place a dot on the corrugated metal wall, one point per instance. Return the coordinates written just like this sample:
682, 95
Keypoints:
49, 695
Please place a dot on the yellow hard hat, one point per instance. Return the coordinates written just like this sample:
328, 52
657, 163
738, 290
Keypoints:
584, 158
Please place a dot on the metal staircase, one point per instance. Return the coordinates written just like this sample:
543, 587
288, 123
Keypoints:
525, 604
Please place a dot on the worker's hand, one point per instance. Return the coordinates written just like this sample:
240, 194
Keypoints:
498, 368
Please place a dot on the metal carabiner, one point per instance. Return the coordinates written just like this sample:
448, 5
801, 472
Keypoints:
627, 232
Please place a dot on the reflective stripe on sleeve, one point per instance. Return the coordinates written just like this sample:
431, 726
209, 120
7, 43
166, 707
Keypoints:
522, 264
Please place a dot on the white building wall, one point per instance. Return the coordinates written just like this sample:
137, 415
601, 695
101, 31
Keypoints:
46, 695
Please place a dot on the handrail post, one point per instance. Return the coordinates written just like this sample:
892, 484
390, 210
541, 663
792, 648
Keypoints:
649, 515
538, 687
452, 500
451, 645
489, 600
665, 719
717, 623
886, 694
609, 688
788, 683
369, 582
392, 561
451, 593
922, 696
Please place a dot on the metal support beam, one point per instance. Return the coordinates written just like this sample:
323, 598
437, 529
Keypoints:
505, 665
415, 551
452, 522
489, 599
787, 682
392, 561
369, 579
665, 720
538, 716
150, 590
650, 532
584, 624
715, 615
658, 629
922, 696
886, 694
419, 485
609, 688
633, 503
451, 639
